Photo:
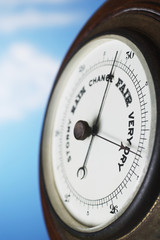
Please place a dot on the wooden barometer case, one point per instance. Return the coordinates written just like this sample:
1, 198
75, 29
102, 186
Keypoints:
100, 144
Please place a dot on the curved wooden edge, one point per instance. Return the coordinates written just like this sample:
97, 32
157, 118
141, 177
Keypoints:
107, 11
52, 229
55, 230
149, 228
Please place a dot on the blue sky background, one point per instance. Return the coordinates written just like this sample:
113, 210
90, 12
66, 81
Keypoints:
34, 37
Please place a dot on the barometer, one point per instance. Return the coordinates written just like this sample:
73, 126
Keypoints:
99, 162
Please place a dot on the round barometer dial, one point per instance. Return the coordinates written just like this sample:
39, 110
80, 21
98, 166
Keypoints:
103, 131
99, 138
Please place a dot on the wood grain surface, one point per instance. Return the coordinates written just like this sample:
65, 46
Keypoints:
140, 16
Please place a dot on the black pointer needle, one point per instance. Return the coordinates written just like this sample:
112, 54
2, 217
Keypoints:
110, 76
82, 170
118, 145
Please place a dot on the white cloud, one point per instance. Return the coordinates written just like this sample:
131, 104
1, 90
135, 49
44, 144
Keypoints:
26, 79
20, 2
33, 19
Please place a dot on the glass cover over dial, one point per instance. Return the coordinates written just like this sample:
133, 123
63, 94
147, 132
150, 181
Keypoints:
100, 133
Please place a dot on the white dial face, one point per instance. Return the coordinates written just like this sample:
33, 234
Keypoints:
101, 128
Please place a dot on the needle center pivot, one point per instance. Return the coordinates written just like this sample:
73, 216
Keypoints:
82, 130
95, 130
